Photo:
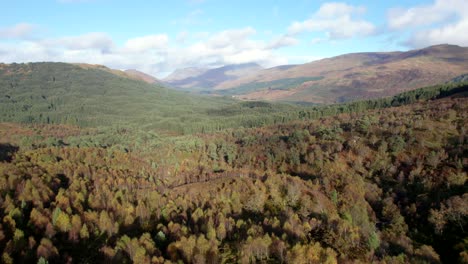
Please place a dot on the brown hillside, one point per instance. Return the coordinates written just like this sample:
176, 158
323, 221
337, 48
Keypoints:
142, 76
361, 75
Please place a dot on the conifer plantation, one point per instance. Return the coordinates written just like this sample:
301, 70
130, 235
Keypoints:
100, 168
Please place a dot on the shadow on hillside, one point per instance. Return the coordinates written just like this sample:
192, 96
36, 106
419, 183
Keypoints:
7, 151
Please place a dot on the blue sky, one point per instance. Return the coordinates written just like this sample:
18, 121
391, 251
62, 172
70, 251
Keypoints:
158, 37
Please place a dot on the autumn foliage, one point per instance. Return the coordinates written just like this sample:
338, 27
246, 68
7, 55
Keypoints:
385, 186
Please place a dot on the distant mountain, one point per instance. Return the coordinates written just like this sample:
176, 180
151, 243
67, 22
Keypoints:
191, 78
142, 76
181, 74
352, 76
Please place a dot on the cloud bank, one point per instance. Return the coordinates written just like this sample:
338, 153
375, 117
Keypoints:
337, 20
443, 21
440, 21
154, 54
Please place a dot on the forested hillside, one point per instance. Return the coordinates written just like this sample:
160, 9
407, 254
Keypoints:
219, 132
374, 181
91, 96
97, 97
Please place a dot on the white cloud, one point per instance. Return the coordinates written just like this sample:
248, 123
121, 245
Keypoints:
146, 43
182, 36
399, 18
152, 53
95, 40
439, 11
230, 37
337, 20
226, 47
443, 21
455, 33
18, 31
249, 55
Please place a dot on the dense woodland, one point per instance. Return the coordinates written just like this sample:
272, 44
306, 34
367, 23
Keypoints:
380, 181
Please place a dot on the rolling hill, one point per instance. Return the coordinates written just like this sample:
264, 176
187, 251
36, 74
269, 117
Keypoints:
94, 95
351, 76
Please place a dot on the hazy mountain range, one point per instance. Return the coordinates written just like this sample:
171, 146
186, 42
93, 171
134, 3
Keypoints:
202, 78
142, 76
337, 79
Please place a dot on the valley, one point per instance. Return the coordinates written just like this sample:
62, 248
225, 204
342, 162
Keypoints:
129, 171
115, 164
218, 132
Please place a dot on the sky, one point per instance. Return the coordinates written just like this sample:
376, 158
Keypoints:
158, 37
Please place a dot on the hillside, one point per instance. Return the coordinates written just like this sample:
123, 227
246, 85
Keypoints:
96, 96
61, 93
352, 76
142, 76
92, 95
184, 73
379, 186
132, 74
201, 79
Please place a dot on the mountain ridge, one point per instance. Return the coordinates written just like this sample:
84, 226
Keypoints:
180, 74
347, 77
130, 73
354, 76
207, 79
142, 76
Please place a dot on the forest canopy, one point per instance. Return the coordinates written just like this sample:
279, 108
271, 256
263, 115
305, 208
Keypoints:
379, 181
